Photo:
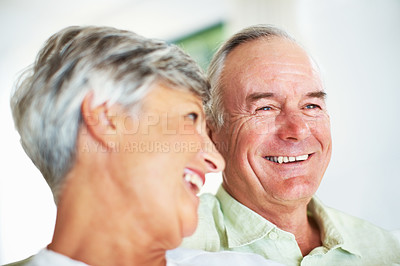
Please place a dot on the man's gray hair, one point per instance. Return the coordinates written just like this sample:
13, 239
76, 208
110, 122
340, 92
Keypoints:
118, 66
213, 106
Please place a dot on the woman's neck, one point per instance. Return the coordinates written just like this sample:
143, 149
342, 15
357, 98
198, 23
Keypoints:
97, 226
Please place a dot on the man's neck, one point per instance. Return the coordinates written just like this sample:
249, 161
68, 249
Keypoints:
291, 217
303, 227
296, 221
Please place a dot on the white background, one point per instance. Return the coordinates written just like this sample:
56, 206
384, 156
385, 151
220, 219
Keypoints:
355, 42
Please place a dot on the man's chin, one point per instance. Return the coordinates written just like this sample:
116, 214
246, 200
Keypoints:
294, 189
295, 196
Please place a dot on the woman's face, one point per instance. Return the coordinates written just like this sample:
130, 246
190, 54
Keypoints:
165, 153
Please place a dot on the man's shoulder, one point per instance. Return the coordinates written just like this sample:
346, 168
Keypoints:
210, 225
210, 207
208, 199
361, 236
357, 226
209, 204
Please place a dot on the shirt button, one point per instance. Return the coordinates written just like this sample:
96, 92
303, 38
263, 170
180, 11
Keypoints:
273, 235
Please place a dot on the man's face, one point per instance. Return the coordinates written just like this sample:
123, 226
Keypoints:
276, 140
164, 154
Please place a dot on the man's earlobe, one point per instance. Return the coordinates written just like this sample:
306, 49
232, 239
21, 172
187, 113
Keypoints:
98, 121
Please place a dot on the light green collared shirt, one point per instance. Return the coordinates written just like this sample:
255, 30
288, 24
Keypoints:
226, 224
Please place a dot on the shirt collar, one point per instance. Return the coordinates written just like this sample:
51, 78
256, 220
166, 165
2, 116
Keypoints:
332, 234
238, 219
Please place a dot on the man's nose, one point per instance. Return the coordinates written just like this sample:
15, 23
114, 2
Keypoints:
292, 127
212, 159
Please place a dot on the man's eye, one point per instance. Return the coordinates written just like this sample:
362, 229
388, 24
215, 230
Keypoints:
193, 116
312, 106
264, 108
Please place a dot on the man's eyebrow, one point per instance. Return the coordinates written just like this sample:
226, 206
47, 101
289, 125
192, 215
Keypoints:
317, 94
258, 95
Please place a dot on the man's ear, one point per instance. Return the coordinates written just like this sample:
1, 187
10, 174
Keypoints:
100, 124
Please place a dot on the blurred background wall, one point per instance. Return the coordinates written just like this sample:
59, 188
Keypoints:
355, 42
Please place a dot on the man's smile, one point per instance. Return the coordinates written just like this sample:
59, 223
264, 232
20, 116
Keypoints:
288, 159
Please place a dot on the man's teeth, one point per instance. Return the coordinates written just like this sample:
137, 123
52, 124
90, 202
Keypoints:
287, 159
194, 179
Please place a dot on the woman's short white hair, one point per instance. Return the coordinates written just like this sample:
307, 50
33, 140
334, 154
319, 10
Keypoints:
118, 66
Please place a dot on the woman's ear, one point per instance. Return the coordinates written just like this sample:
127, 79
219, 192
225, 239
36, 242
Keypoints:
101, 124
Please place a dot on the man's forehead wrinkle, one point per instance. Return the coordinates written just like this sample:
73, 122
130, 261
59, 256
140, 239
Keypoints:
293, 79
288, 68
266, 67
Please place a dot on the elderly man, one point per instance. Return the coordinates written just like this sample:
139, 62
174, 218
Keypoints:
268, 118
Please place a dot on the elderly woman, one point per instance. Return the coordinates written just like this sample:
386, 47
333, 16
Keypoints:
114, 121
